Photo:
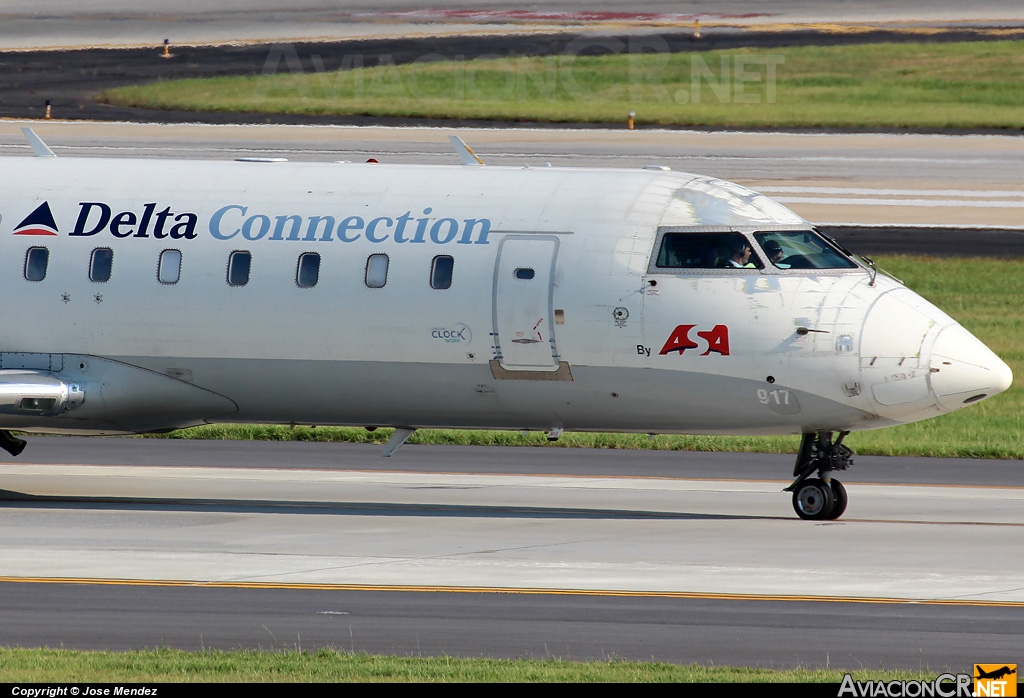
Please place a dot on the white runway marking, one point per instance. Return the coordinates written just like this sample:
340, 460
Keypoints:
859, 191
597, 533
951, 203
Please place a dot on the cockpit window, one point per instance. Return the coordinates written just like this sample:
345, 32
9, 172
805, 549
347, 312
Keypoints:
801, 249
707, 251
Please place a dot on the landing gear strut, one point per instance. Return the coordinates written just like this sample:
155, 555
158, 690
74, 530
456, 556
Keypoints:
820, 498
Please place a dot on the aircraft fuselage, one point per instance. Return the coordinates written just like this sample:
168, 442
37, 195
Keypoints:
177, 293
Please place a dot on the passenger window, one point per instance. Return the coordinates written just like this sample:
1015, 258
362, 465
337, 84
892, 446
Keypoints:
308, 272
100, 264
707, 251
441, 271
524, 273
238, 268
377, 270
35, 263
169, 269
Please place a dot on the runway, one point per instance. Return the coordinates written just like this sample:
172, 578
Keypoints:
29, 24
763, 633
311, 540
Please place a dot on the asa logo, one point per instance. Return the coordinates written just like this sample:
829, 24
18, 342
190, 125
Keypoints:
716, 339
39, 222
995, 680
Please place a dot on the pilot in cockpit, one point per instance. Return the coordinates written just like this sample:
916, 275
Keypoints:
775, 253
740, 257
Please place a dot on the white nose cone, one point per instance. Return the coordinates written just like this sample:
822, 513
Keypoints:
963, 370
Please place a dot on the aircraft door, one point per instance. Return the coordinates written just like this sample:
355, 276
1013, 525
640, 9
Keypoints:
524, 338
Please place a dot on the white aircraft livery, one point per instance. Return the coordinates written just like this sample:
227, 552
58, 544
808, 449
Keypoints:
147, 296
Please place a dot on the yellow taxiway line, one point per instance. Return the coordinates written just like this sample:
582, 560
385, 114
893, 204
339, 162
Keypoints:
511, 590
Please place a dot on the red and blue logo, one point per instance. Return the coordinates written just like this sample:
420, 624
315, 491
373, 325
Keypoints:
39, 222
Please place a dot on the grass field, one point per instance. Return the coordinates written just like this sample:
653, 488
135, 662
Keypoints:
929, 85
983, 294
167, 665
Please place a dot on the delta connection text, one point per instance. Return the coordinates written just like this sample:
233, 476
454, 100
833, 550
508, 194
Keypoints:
944, 686
235, 221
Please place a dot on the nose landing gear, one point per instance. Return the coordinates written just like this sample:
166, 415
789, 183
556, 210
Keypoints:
820, 498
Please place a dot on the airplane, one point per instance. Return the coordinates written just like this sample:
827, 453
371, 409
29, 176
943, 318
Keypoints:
152, 295
995, 673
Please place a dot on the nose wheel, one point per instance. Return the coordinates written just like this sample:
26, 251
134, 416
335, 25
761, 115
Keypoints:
817, 500
821, 498
813, 499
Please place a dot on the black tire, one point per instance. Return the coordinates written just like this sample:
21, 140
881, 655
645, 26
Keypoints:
842, 499
813, 500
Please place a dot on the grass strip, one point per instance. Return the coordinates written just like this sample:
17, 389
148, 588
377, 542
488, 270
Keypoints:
983, 294
327, 665
967, 85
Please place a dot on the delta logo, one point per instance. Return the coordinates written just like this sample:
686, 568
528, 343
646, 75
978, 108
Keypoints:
95, 217
39, 222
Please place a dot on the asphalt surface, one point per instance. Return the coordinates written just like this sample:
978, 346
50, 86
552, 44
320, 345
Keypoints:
495, 460
720, 537
27, 24
775, 634
925, 240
